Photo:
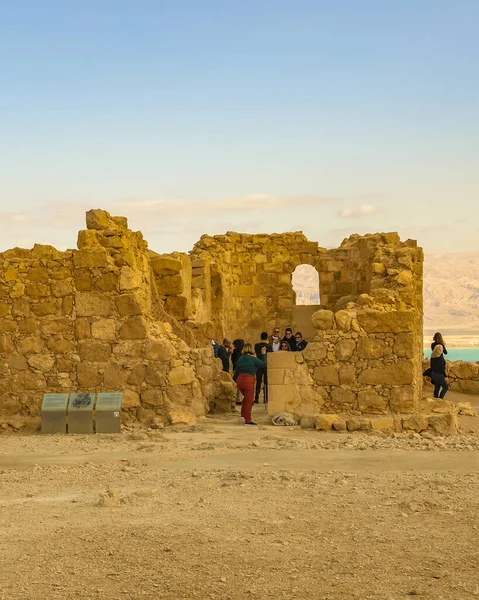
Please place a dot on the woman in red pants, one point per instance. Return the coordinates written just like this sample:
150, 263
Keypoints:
245, 377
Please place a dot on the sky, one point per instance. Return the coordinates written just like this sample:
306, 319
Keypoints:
207, 116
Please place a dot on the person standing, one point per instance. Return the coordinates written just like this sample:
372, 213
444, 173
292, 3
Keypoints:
224, 352
245, 376
238, 346
275, 343
262, 374
289, 337
438, 339
275, 334
438, 372
300, 343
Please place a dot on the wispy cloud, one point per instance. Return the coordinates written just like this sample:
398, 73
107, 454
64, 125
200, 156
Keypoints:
365, 210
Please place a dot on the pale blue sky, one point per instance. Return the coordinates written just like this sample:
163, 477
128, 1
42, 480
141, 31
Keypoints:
201, 116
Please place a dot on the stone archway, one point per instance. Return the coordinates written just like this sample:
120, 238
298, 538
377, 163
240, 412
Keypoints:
306, 290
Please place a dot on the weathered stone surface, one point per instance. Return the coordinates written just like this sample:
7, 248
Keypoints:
375, 321
353, 424
382, 423
315, 351
88, 376
371, 402
325, 421
416, 423
128, 305
465, 387
344, 349
343, 399
339, 425
103, 329
17, 362
445, 423
369, 347
402, 399
92, 304
134, 328
129, 279
181, 376
42, 362
323, 319
404, 345
98, 219
400, 373
59, 345
343, 320
88, 259
165, 265
347, 374
94, 350
159, 349
30, 345
6, 344
463, 370
327, 375
153, 397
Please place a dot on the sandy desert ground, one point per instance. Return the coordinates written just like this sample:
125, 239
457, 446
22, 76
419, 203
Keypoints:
221, 511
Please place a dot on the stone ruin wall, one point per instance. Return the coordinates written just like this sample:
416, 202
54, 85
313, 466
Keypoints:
92, 320
113, 315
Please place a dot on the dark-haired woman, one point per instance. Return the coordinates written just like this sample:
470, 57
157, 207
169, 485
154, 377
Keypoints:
245, 377
285, 347
438, 339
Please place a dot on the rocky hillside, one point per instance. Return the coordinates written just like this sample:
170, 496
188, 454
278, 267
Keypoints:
451, 292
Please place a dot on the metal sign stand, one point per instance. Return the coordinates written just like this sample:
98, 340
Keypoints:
80, 413
108, 411
54, 413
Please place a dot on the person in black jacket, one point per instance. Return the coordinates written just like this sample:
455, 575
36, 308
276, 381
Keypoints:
224, 353
262, 374
438, 372
238, 346
438, 339
289, 337
300, 343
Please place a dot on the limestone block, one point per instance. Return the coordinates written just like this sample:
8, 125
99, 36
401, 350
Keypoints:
4, 309
42, 362
371, 402
42, 309
463, 370
21, 308
347, 374
179, 306
137, 375
402, 399
7, 326
339, 425
343, 320
165, 265
445, 423
307, 422
375, 321
11, 274
378, 268
114, 377
206, 373
465, 409
325, 422
128, 305
82, 329
27, 326
134, 328
92, 304
108, 282
369, 347
37, 274
275, 376
131, 399
353, 424
181, 376
341, 397
326, 375
83, 281
156, 374
37, 290
323, 319
98, 219
170, 285
87, 238
405, 278
465, 387
103, 329
159, 349
30, 345
404, 345
56, 326
281, 360
88, 376
382, 423
17, 290
181, 415
416, 423
315, 351
59, 345
246, 291
90, 259
27, 380
400, 373
61, 288
6, 344
153, 397
94, 351
17, 362
344, 349
130, 279
280, 397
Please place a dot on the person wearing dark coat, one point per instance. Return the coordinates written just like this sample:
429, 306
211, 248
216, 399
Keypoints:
262, 374
289, 337
438, 372
438, 339
224, 353
238, 346
300, 343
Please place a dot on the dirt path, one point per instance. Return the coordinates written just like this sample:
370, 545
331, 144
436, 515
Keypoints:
226, 512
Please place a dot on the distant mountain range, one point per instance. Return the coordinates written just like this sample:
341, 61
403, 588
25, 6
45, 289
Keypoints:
451, 292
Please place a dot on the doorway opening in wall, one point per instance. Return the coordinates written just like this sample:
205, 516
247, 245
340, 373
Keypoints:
305, 282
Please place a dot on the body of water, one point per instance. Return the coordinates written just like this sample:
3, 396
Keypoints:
466, 354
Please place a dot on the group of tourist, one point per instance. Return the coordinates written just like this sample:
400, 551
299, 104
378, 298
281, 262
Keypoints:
249, 363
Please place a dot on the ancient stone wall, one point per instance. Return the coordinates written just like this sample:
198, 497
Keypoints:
84, 320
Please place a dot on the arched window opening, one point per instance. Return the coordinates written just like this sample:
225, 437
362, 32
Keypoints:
305, 282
